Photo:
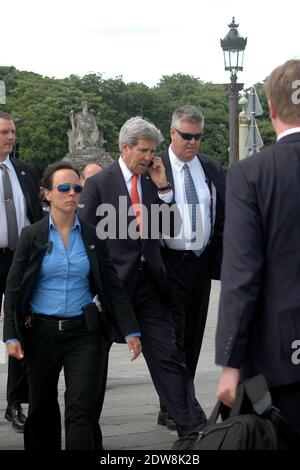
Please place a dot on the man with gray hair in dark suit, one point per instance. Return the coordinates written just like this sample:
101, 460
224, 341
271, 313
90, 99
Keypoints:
138, 179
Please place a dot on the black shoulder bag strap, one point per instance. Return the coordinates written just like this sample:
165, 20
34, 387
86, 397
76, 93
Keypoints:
257, 391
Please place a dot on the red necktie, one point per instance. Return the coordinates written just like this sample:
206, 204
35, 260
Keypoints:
136, 202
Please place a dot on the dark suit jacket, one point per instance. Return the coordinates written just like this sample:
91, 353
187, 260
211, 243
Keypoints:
214, 171
28, 257
29, 183
106, 187
259, 317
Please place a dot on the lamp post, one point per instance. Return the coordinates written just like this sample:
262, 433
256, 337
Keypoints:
233, 46
2, 92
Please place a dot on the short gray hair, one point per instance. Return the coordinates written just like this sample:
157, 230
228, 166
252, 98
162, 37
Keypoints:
6, 116
187, 113
137, 128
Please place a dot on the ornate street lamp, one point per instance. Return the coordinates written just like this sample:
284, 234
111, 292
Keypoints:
233, 46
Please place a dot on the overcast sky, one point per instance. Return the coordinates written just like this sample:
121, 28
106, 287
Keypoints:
144, 40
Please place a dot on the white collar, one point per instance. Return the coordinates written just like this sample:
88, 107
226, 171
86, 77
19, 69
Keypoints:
179, 164
292, 130
125, 170
7, 163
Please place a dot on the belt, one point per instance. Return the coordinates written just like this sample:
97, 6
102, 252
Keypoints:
5, 250
184, 254
58, 323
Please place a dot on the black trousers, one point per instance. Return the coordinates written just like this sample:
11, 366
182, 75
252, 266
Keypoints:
17, 388
191, 284
170, 376
47, 351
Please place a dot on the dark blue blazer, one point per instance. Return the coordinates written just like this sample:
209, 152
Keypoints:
106, 187
259, 316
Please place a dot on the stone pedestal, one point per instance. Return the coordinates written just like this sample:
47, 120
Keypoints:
80, 157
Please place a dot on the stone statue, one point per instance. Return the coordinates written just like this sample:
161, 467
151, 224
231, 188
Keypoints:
84, 132
86, 140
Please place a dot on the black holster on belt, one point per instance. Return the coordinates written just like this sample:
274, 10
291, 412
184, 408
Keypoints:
91, 317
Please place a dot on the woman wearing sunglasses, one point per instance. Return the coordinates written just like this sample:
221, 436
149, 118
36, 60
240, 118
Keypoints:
59, 267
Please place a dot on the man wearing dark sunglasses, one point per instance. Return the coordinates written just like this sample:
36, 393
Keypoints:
193, 258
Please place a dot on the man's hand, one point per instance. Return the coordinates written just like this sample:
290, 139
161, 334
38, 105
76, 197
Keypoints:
15, 350
134, 346
157, 172
229, 381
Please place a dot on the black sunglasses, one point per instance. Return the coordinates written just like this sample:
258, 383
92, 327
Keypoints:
66, 187
187, 136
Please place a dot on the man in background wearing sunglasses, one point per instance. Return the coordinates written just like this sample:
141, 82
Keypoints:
194, 257
20, 205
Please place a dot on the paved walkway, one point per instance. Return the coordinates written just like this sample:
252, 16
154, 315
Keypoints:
131, 405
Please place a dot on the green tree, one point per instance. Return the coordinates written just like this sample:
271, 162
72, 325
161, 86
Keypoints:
42, 107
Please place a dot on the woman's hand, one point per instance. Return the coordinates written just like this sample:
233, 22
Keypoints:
15, 350
134, 346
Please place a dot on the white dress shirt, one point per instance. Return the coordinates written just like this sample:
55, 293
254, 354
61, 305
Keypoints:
127, 175
183, 241
19, 201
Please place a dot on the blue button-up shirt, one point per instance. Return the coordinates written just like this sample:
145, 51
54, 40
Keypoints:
62, 286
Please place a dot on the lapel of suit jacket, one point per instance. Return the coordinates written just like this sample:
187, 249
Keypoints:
212, 174
212, 181
147, 191
167, 164
23, 179
89, 241
40, 242
119, 185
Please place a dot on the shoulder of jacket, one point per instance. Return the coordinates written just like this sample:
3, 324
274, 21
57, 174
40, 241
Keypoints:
89, 230
22, 164
40, 224
213, 163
